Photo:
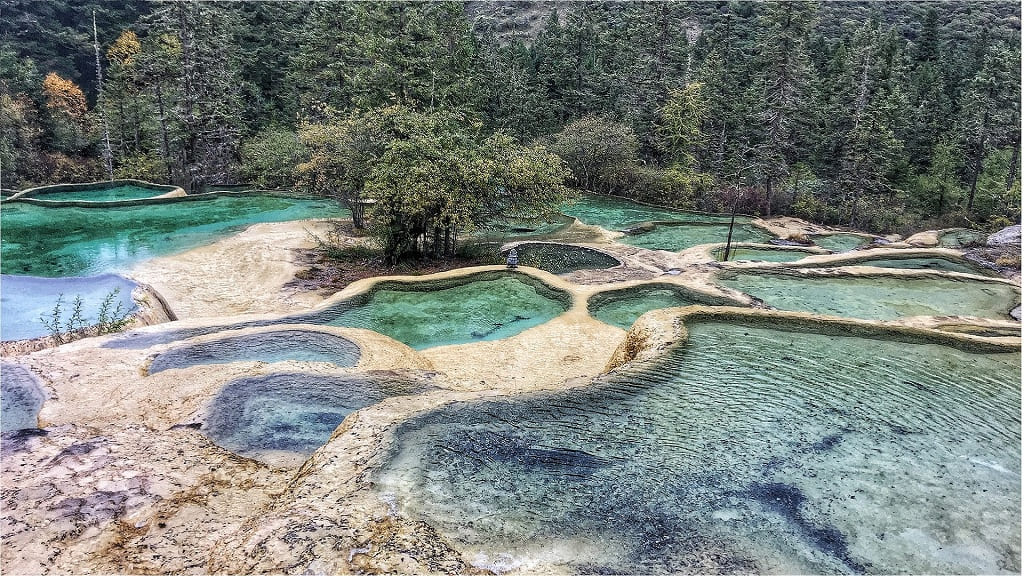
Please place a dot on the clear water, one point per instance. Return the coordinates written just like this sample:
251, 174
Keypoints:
840, 242
52, 242
291, 412
23, 299
21, 398
127, 192
681, 237
613, 213
622, 307
485, 306
797, 453
425, 316
877, 298
561, 258
761, 255
940, 264
961, 238
277, 346
508, 231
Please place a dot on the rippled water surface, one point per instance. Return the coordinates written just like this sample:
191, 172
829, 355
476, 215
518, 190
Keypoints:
747, 450
877, 298
21, 397
277, 346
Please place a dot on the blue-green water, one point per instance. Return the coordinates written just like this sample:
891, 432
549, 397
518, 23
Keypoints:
877, 298
762, 254
939, 264
613, 213
961, 238
476, 308
682, 236
276, 346
749, 449
126, 192
52, 242
840, 242
622, 307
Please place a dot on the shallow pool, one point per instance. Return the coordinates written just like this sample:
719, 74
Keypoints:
933, 263
21, 397
428, 314
275, 346
840, 242
479, 307
761, 254
291, 412
962, 237
24, 299
797, 453
613, 213
877, 297
47, 241
622, 307
561, 258
675, 237
125, 192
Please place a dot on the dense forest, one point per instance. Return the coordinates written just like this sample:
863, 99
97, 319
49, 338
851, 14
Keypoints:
878, 115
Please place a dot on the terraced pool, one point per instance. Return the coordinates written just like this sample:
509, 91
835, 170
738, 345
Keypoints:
561, 258
291, 412
480, 307
798, 453
273, 346
622, 307
612, 213
840, 242
876, 297
675, 237
102, 194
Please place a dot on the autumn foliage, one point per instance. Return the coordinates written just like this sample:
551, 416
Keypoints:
63, 95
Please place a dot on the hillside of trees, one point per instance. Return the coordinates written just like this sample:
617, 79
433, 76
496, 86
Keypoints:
885, 116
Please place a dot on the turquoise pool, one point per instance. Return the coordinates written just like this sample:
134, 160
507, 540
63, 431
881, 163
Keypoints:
798, 453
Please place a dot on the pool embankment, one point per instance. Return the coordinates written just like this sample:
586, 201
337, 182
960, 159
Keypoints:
658, 331
161, 192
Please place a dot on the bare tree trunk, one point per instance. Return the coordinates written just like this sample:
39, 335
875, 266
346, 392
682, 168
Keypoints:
163, 132
732, 222
1014, 160
107, 154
